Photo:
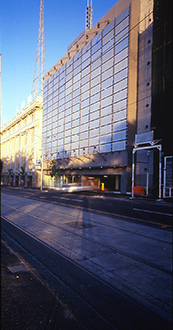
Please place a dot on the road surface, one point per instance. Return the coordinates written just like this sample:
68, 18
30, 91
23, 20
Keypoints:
117, 269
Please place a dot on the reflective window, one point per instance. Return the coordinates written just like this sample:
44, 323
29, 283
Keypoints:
96, 72
92, 142
95, 64
121, 26
107, 65
121, 65
105, 147
96, 39
108, 73
108, 28
117, 116
85, 87
123, 34
108, 37
106, 120
116, 146
121, 45
96, 56
118, 136
108, 46
94, 123
120, 85
95, 98
94, 107
84, 111
123, 14
106, 101
120, 95
121, 75
84, 119
84, 135
121, 55
108, 55
94, 115
85, 95
84, 127
96, 47
106, 111
105, 130
119, 126
86, 63
95, 81
94, 132
95, 90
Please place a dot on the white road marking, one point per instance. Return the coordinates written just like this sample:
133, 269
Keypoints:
69, 199
148, 211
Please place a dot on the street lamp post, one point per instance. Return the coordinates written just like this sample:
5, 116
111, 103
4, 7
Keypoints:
41, 186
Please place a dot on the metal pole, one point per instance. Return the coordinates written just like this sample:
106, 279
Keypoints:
41, 186
133, 171
160, 171
147, 182
164, 178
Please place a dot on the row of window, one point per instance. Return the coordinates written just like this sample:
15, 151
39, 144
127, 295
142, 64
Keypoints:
86, 99
96, 86
107, 35
78, 110
82, 149
85, 116
98, 68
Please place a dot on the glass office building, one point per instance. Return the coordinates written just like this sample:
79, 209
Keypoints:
90, 103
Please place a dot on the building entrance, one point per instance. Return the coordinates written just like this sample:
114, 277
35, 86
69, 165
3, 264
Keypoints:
110, 182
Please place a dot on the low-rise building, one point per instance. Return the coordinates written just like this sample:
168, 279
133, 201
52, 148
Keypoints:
21, 147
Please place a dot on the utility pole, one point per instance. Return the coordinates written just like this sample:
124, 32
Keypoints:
40, 70
40, 65
89, 11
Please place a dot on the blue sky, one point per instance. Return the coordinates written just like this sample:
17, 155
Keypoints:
64, 21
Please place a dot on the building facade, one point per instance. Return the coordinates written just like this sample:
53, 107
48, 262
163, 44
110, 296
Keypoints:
153, 142
21, 147
90, 103
107, 105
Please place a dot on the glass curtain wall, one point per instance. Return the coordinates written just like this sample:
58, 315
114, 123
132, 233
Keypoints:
85, 101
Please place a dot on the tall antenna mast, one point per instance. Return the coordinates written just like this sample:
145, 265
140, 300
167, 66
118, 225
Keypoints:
40, 64
89, 11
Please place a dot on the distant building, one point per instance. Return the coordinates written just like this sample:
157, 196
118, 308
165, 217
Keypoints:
21, 147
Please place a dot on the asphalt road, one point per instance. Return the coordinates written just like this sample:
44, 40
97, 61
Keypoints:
93, 302
64, 247
148, 212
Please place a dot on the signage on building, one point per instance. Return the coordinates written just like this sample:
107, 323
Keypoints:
168, 171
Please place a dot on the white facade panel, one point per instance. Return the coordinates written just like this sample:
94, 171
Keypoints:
89, 103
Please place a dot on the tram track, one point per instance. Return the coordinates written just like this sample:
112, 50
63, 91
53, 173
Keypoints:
103, 305
50, 274
98, 243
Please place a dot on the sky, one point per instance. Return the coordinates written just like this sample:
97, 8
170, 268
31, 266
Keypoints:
19, 24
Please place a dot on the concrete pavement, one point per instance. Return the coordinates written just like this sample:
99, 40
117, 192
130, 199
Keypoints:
133, 258
26, 301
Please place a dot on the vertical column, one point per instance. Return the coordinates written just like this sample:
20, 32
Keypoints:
160, 171
148, 173
14, 161
133, 172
